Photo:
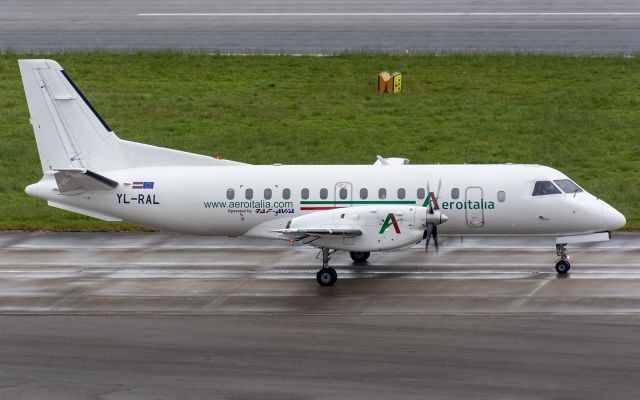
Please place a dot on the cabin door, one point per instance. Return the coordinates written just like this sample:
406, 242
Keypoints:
474, 211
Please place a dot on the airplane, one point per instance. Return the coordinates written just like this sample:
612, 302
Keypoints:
389, 205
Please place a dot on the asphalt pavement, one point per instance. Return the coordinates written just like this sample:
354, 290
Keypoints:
323, 27
164, 316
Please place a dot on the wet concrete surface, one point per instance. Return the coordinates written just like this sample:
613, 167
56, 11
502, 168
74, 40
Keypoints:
163, 316
122, 273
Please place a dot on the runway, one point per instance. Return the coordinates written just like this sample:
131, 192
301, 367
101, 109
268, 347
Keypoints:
128, 273
323, 27
163, 316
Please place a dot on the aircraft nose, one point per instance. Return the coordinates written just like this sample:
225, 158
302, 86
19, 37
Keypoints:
613, 219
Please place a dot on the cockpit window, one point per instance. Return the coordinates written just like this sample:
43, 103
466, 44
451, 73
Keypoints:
543, 188
568, 186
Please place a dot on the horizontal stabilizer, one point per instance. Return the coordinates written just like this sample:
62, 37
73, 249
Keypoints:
88, 213
74, 179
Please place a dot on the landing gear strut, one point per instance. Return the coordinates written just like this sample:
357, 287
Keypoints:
562, 266
359, 256
327, 276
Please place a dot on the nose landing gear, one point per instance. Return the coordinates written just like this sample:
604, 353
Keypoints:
562, 266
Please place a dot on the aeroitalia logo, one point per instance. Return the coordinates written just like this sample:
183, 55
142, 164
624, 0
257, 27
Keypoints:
391, 220
431, 199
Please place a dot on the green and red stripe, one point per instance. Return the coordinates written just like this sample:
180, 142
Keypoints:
308, 205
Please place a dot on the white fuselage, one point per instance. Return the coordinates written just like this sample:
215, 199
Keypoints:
390, 205
197, 200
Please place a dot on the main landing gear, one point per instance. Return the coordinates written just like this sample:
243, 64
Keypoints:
327, 276
562, 266
359, 256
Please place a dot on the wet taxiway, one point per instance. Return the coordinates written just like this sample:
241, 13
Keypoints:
161, 316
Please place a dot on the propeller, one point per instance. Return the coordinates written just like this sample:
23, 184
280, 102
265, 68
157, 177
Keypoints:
430, 232
432, 223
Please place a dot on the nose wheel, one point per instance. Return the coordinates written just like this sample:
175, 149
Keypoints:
562, 266
327, 276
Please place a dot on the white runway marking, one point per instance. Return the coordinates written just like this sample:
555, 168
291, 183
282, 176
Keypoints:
399, 14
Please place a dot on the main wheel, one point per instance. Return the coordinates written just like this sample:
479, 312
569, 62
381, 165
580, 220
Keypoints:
359, 256
327, 276
562, 267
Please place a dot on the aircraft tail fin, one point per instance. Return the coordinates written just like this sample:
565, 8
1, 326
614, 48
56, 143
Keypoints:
70, 133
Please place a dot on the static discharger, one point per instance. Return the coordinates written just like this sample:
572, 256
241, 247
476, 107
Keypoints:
389, 83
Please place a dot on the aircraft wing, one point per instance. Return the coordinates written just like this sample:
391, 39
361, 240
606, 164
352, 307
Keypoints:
302, 233
73, 179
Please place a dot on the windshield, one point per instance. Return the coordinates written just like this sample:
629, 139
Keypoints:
568, 186
543, 188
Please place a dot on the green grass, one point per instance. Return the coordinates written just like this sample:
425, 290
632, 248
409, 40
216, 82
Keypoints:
578, 114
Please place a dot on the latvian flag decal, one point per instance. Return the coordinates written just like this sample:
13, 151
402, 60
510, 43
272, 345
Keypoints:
142, 185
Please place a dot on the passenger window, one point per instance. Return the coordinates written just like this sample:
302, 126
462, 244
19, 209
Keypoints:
324, 193
382, 193
544, 188
343, 193
267, 194
502, 196
364, 193
401, 193
568, 186
230, 194
421, 193
286, 194
248, 194
455, 193
304, 194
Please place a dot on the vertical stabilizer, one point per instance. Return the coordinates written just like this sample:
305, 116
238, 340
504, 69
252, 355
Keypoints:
69, 132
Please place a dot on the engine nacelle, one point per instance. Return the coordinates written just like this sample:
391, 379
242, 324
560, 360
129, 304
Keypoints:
387, 227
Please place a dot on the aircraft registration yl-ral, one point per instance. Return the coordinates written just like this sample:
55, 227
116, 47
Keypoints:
361, 209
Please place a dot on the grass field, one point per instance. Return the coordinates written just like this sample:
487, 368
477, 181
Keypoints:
578, 114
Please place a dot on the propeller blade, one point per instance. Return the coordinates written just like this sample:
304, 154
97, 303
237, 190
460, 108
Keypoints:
430, 206
432, 228
434, 203
435, 236
427, 236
